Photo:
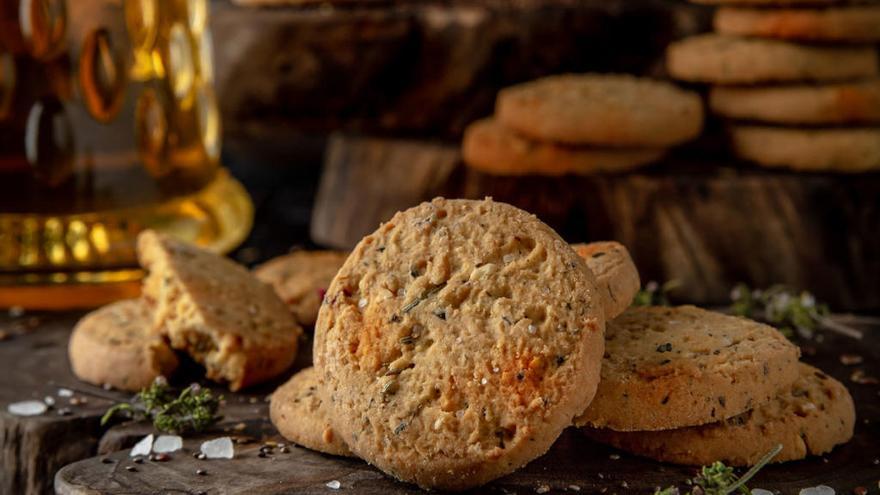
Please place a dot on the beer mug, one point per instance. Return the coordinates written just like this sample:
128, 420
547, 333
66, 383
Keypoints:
108, 125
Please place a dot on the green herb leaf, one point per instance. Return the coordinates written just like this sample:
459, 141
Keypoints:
719, 479
789, 311
193, 409
654, 294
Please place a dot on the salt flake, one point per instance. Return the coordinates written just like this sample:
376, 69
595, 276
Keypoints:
818, 490
144, 447
218, 448
65, 392
333, 485
761, 491
167, 443
27, 408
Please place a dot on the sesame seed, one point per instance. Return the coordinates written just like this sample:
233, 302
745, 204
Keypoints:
532, 329
362, 303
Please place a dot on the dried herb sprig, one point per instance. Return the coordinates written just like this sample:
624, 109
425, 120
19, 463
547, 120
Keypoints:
192, 410
654, 294
719, 479
791, 312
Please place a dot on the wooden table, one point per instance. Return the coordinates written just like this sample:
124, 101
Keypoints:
35, 447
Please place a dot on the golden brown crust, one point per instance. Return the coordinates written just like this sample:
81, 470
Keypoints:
114, 345
215, 310
615, 272
492, 148
457, 342
853, 23
601, 110
299, 414
852, 102
810, 418
668, 368
826, 150
300, 280
716, 58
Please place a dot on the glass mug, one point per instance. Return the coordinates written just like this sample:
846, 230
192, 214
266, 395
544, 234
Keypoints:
108, 125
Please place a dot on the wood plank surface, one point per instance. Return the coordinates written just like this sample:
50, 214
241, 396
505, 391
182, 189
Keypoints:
573, 460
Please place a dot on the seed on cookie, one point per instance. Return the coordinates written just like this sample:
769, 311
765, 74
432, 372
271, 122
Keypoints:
668, 368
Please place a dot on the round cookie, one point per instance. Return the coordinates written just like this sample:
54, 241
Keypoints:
827, 150
856, 102
852, 23
457, 342
492, 148
115, 345
615, 272
716, 58
810, 418
300, 279
299, 414
668, 368
602, 110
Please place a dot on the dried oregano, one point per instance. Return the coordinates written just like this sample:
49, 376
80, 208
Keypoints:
192, 410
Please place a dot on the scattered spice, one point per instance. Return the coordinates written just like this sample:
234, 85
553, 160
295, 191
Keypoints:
428, 293
131, 469
851, 359
859, 376
667, 347
193, 410
201, 472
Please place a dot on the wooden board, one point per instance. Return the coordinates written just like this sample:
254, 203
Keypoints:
573, 460
696, 217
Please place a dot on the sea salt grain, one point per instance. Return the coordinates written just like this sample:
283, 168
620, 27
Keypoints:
65, 392
818, 490
167, 443
761, 491
27, 408
218, 448
333, 485
144, 447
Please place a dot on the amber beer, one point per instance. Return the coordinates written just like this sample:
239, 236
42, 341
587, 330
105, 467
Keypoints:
108, 125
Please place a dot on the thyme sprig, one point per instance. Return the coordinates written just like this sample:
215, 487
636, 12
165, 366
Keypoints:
654, 294
719, 479
791, 312
192, 410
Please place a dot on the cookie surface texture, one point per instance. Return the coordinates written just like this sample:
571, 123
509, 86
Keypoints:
716, 58
301, 278
601, 110
826, 150
856, 102
457, 342
670, 367
216, 311
492, 148
615, 272
115, 345
297, 411
857, 23
810, 418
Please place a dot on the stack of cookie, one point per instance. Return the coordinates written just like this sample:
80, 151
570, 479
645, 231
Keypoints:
459, 339
195, 302
801, 84
581, 124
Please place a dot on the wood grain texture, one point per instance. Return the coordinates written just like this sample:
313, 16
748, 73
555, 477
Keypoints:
573, 460
421, 67
694, 217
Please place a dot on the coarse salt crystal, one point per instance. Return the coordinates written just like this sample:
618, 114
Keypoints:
144, 447
218, 448
49, 400
333, 485
818, 490
27, 408
761, 491
484, 381
167, 443
65, 392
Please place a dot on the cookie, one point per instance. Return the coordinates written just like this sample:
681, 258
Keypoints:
300, 279
667, 368
601, 110
716, 58
457, 342
215, 310
615, 272
114, 345
851, 23
492, 148
300, 416
826, 150
810, 418
856, 102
